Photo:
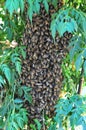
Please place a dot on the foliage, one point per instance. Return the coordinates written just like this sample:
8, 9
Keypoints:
78, 52
69, 18
71, 76
14, 5
10, 27
12, 114
70, 112
36, 126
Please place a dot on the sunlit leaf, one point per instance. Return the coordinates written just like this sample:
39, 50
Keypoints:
78, 62
45, 2
7, 72
21, 4
17, 100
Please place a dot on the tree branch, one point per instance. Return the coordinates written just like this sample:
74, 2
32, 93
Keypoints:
81, 81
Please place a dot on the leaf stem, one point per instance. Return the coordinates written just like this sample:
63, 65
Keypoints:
81, 81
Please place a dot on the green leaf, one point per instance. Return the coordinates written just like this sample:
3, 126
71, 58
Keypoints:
25, 116
32, 127
1, 81
38, 124
17, 100
53, 28
21, 4
30, 9
2, 123
23, 52
69, 25
10, 6
15, 58
78, 62
20, 121
52, 127
36, 6
20, 91
15, 125
84, 67
18, 67
54, 2
9, 32
28, 97
16, 5
17, 61
7, 72
26, 89
45, 2
3, 110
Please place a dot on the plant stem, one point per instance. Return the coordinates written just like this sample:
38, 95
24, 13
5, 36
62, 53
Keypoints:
81, 81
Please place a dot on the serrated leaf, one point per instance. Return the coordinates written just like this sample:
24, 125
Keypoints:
16, 4
23, 52
30, 9
25, 117
28, 97
21, 4
53, 28
15, 125
17, 61
7, 72
20, 122
10, 6
36, 6
69, 25
18, 67
78, 62
26, 89
15, 57
38, 124
45, 2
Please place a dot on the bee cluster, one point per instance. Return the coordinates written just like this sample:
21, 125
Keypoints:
41, 70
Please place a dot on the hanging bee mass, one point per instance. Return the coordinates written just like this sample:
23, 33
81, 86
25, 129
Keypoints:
41, 69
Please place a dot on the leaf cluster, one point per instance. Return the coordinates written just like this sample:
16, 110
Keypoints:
14, 5
10, 27
12, 94
70, 112
71, 76
68, 19
78, 52
36, 126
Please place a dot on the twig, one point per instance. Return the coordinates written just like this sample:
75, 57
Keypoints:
81, 81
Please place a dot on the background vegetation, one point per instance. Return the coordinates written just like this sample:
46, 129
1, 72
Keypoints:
71, 107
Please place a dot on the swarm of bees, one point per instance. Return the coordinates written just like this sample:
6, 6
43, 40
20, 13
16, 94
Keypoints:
41, 69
